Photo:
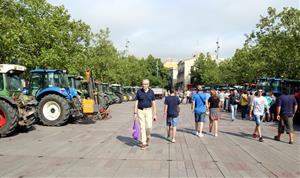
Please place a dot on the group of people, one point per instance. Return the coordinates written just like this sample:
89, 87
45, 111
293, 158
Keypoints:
211, 104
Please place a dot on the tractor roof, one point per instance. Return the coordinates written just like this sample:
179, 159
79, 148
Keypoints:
5, 68
115, 85
76, 77
47, 71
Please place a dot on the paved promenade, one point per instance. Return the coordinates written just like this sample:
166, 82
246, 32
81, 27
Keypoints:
106, 149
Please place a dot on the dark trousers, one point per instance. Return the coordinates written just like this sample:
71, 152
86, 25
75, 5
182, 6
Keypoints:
244, 111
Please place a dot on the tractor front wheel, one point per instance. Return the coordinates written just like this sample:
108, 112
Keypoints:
54, 110
8, 118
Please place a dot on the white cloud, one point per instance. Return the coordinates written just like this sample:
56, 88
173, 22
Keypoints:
174, 28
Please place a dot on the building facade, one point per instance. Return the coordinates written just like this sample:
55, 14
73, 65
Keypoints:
173, 72
184, 73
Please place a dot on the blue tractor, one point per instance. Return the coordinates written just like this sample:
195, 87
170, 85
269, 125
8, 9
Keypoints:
58, 103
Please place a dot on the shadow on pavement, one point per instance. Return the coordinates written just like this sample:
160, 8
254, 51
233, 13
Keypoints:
187, 130
84, 121
127, 140
159, 136
244, 135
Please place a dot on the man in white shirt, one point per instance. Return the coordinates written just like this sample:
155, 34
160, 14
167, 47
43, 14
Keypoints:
258, 106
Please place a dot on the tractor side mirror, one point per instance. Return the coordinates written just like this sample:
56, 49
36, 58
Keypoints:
25, 91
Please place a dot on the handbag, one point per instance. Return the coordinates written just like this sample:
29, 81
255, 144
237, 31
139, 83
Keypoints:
135, 130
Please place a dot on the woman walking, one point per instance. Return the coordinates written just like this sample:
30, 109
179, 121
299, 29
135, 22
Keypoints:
214, 111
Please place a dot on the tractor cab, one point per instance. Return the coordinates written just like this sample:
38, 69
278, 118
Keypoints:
16, 109
113, 98
129, 92
75, 82
11, 82
118, 90
49, 80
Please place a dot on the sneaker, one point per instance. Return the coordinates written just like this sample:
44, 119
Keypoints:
291, 142
254, 135
261, 139
169, 139
197, 133
201, 135
173, 140
216, 135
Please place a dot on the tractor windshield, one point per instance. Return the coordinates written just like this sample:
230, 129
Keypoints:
105, 88
14, 82
116, 88
57, 79
78, 84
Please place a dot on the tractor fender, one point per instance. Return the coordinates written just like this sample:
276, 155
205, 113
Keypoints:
9, 100
48, 92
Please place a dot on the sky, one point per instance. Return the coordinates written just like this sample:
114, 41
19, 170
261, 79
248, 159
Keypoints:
174, 29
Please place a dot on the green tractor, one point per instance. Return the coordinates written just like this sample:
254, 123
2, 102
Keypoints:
118, 90
104, 87
128, 90
16, 109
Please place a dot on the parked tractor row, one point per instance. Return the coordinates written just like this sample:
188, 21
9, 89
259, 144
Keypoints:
53, 98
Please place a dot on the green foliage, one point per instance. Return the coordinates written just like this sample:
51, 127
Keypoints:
272, 50
205, 70
37, 34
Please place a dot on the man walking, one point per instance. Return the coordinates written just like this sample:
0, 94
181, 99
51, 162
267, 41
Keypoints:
222, 99
286, 109
244, 104
143, 108
171, 112
233, 101
258, 106
199, 108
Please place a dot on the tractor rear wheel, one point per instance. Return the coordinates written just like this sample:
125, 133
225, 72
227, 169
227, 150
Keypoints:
54, 110
8, 118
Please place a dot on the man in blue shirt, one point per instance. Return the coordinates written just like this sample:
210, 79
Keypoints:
199, 108
286, 109
143, 108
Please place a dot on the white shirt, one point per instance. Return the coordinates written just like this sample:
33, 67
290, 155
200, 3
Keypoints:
259, 104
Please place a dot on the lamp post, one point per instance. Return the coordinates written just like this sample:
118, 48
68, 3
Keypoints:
217, 50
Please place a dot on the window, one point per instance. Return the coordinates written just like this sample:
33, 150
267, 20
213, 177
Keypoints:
14, 82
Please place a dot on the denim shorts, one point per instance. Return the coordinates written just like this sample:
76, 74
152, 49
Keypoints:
258, 119
172, 121
200, 117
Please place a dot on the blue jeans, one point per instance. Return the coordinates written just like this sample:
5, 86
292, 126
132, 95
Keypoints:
233, 111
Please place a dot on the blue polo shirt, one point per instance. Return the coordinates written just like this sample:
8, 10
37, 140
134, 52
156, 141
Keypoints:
145, 98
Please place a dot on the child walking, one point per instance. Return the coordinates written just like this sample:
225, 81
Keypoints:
171, 112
